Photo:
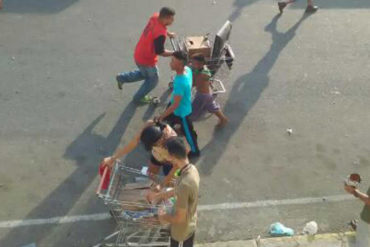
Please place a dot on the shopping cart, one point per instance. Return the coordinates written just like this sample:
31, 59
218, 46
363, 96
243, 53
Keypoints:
221, 58
137, 220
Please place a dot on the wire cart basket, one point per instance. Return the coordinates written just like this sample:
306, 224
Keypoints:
221, 59
137, 220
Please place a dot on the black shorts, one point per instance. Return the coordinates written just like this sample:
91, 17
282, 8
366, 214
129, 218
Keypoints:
166, 167
187, 243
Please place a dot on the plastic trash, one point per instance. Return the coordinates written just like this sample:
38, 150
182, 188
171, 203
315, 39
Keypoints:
289, 131
144, 170
277, 229
311, 228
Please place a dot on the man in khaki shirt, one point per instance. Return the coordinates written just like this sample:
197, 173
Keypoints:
183, 221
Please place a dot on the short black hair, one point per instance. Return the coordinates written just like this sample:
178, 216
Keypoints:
199, 57
176, 147
182, 56
166, 12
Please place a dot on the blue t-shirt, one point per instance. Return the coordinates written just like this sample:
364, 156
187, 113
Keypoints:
182, 87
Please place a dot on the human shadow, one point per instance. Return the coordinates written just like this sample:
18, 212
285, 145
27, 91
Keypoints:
36, 6
245, 93
151, 108
334, 4
87, 150
239, 5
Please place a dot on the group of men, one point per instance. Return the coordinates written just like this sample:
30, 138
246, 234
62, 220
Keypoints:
169, 152
194, 73
161, 137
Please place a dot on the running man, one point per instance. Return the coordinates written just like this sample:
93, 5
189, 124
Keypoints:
150, 45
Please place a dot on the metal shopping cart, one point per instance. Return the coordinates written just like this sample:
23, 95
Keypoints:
219, 54
137, 221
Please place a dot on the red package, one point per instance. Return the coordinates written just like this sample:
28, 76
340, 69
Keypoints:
105, 184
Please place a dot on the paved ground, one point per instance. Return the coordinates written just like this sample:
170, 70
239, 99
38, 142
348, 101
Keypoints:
61, 113
323, 240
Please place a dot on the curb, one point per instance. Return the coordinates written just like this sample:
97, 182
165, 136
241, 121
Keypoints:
346, 239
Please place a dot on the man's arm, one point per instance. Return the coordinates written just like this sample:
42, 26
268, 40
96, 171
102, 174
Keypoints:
126, 149
159, 47
362, 196
357, 193
177, 218
181, 207
172, 108
157, 196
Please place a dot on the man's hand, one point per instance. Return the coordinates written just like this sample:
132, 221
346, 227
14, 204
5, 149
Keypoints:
108, 161
161, 216
171, 34
158, 119
152, 196
349, 189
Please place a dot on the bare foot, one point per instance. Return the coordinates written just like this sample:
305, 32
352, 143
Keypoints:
222, 123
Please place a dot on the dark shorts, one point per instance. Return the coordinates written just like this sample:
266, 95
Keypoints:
166, 167
187, 243
203, 102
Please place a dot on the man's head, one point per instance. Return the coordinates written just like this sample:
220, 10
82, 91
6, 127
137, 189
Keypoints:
150, 136
176, 149
198, 61
179, 60
166, 16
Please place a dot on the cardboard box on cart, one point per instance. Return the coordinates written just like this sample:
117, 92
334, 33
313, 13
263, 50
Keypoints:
198, 44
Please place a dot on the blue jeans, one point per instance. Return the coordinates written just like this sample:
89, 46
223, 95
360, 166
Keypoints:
150, 76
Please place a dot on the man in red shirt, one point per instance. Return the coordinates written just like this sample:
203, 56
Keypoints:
150, 45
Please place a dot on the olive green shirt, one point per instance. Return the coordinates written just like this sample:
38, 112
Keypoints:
365, 214
186, 192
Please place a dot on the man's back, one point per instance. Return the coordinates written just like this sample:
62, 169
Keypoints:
186, 191
182, 87
144, 51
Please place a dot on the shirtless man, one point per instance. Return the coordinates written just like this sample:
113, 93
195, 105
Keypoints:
204, 99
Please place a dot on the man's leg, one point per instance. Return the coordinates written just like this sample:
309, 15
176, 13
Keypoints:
198, 106
223, 120
310, 7
151, 75
190, 135
132, 76
215, 108
283, 4
187, 243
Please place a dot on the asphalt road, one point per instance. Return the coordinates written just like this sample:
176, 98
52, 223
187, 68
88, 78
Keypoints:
60, 112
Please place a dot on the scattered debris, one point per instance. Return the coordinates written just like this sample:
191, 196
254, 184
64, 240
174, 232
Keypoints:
336, 92
311, 228
213, 2
277, 229
289, 131
353, 224
13, 58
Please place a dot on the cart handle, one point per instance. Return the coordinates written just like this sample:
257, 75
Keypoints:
102, 180
172, 40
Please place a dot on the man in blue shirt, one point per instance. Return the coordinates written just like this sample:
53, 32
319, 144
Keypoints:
180, 109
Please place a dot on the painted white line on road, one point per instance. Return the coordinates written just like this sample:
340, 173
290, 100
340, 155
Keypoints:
221, 206
269, 203
54, 220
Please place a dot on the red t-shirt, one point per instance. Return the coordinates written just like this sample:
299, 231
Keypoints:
144, 51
